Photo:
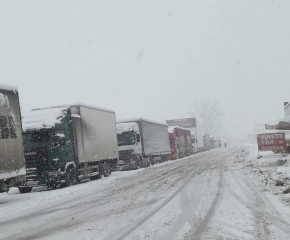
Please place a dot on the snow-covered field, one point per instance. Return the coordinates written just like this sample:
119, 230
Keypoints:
220, 194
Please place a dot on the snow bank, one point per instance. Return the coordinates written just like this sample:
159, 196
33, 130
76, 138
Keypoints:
6, 175
285, 169
43, 118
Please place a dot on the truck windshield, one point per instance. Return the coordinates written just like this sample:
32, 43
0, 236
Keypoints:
126, 138
172, 141
38, 136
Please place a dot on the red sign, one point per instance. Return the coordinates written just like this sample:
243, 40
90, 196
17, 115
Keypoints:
271, 141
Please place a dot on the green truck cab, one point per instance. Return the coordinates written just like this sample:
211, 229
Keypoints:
64, 145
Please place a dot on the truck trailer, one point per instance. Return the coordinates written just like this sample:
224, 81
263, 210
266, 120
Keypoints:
180, 142
12, 162
197, 141
141, 143
206, 140
66, 144
214, 142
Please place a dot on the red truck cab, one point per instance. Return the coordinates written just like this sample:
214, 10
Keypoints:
173, 145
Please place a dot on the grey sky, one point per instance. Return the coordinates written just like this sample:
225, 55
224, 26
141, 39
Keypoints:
150, 58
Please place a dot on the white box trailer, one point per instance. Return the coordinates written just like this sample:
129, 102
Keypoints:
198, 141
12, 163
154, 136
95, 133
141, 142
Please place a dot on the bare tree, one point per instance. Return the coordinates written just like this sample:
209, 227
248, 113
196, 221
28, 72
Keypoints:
209, 114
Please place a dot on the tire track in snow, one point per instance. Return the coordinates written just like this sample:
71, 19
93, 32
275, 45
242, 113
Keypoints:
132, 229
260, 210
151, 176
203, 225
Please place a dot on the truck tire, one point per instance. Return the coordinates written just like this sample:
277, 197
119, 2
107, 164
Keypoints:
25, 189
106, 169
146, 162
140, 163
70, 176
52, 186
151, 161
133, 162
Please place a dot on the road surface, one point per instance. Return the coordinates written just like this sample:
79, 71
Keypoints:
205, 196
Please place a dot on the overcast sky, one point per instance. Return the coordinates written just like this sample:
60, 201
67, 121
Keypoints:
150, 58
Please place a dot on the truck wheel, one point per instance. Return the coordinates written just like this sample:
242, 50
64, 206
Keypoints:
70, 176
106, 169
146, 162
133, 166
52, 186
140, 163
25, 189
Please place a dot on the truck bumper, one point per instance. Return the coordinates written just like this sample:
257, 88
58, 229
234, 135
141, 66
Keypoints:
129, 163
123, 167
36, 178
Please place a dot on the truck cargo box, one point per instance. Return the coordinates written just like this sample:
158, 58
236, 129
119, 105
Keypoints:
12, 162
154, 136
96, 136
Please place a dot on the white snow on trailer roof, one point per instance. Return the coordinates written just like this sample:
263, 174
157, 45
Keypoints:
171, 129
126, 127
280, 124
8, 88
42, 118
75, 105
140, 119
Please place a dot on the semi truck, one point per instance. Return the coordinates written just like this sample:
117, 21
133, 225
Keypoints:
180, 142
12, 162
141, 142
206, 140
67, 144
197, 141
214, 142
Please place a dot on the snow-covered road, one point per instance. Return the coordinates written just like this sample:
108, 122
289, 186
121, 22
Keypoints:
206, 196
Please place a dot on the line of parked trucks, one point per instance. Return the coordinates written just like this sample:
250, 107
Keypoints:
62, 145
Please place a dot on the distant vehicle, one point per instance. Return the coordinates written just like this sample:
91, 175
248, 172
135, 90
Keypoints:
141, 143
197, 141
180, 142
206, 140
66, 144
197, 137
12, 163
214, 142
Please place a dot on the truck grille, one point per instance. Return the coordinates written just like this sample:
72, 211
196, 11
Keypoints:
37, 159
125, 154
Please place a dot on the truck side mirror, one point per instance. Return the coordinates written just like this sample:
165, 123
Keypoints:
138, 138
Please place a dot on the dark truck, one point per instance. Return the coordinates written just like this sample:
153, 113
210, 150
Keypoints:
12, 163
141, 143
66, 144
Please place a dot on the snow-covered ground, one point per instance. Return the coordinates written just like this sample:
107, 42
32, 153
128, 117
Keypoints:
219, 194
